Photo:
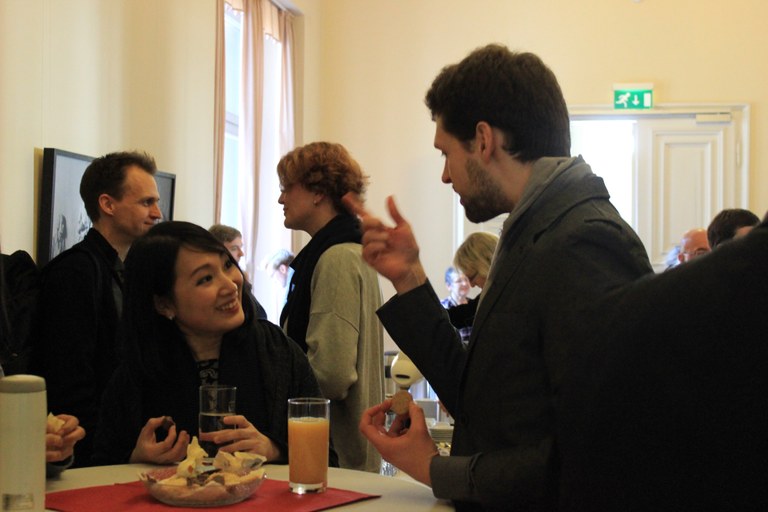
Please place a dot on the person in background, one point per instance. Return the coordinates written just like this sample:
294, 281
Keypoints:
232, 239
665, 407
474, 258
63, 432
503, 129
81, 293
19, 285
670, 260
187, 323
333, 294
458, 288
693, 244
730, 224
279, 267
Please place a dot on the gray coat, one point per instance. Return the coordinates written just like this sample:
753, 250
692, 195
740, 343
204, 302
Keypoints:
568, 247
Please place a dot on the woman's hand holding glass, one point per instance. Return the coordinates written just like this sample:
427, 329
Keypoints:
243, 437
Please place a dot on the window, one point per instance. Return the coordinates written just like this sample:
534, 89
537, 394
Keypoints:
230, 214
238, 204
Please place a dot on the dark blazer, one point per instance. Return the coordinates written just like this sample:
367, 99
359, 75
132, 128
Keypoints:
568, 248
666, 407
20, 285
74, 346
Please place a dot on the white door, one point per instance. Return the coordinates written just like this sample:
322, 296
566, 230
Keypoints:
667, 171
689, 167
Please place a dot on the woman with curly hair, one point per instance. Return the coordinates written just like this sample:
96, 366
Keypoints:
333, 295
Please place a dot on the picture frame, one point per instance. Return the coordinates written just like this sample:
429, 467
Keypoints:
166, 186
63, 220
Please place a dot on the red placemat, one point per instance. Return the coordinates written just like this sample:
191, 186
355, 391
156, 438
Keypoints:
272, 495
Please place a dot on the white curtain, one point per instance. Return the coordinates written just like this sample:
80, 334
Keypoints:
261, 216
219, 111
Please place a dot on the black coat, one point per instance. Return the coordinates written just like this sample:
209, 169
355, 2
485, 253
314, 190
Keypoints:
74, 346
667, 407
567, 249
266, 366
20, 285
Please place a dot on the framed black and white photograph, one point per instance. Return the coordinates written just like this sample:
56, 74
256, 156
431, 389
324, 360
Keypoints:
63, 220
166, 187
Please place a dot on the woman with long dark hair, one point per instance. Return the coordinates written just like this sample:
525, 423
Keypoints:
186, 322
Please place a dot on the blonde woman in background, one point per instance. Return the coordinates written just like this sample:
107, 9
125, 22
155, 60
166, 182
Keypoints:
473, 259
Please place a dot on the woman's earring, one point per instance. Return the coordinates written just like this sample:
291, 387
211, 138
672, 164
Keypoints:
170, 317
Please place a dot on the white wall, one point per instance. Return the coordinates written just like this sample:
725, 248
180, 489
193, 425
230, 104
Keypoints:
370, 62
94, 76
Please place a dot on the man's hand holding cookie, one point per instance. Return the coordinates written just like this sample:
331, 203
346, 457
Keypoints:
406, 444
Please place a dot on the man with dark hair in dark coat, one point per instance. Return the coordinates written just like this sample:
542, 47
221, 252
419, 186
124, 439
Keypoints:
80, 300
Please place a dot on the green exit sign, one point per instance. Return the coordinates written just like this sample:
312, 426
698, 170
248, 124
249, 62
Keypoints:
632, 96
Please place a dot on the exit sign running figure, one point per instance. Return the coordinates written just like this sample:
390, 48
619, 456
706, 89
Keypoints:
632, 96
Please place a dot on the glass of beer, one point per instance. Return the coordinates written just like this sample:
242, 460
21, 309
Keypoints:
216, 402
308, 444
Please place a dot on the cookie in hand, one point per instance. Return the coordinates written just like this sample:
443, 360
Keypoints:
400, 402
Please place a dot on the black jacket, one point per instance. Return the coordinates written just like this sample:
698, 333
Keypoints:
666, 407
74, 345
568, 248
20, 286
267, 367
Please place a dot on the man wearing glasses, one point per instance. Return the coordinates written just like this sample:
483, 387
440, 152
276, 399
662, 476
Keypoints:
693, 245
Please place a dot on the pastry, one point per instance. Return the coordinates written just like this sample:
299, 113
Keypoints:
197, 482
54, 423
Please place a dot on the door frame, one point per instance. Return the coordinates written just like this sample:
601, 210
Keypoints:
736, 113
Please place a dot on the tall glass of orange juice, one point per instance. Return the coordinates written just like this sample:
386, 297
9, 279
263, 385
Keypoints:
308, 444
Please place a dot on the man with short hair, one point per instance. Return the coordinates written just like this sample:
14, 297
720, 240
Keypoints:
730, 224
503, 129
693, 245
232, 239
80, 300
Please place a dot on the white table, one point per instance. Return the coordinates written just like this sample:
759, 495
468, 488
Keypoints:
397, 494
